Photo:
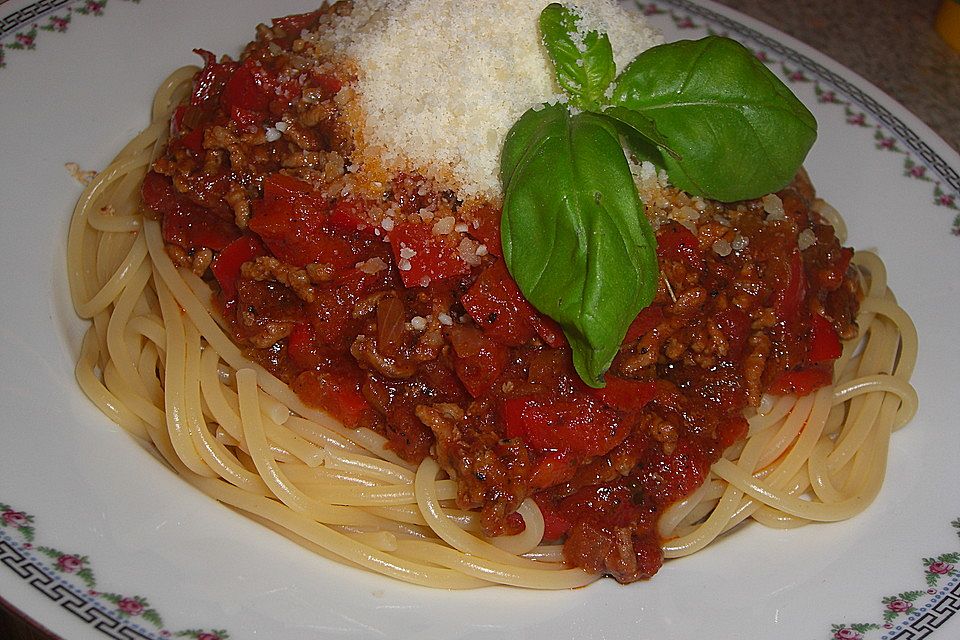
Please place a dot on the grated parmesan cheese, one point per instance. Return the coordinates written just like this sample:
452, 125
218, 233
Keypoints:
440, 82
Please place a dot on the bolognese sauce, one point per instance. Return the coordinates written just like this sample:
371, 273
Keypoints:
384, 301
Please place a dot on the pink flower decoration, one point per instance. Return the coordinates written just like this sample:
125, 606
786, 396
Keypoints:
946, 200
69, 563
828, 96
130, 606
15, 518
899, 606
918, 171
797, 75
206, 635
25, 39
686, 23
847, 634
59, 24
941, 568
858, 118
887, 143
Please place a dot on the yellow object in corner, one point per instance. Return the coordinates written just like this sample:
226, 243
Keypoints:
948, 22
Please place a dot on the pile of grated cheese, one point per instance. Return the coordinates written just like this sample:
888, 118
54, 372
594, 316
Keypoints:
440, 82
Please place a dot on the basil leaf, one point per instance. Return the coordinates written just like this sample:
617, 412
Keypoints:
642, 126
583, 61
740, 131
573, 231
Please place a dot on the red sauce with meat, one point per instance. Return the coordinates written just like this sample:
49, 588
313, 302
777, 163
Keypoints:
395, 311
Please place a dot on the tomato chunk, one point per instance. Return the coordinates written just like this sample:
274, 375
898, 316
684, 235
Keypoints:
550, 422
497, 306
185, 223
801, 382
338, 393
824, 340
423, 256
676, 242
788, 299
555, 526
625, 394
479, 358
646, 321
552, 469
292, 219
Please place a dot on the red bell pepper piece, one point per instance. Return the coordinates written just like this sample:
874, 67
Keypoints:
226, 266
347, 214
248, 92
210, 81
193, 140
488, 229
293, 25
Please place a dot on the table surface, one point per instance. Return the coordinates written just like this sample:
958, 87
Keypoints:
891, 43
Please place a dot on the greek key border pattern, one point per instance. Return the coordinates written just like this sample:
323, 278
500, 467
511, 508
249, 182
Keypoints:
933, 617
906, 135
30, 13
36, 574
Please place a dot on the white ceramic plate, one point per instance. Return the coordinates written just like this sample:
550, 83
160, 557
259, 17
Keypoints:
98, 540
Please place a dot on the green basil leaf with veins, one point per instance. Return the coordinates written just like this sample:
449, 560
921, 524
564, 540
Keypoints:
643, 127
583, 61
573, 231
739, 130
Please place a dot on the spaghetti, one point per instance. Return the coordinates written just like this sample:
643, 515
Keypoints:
158, 361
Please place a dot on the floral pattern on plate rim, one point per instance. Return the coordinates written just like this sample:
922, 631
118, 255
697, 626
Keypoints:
68, 580
56, 574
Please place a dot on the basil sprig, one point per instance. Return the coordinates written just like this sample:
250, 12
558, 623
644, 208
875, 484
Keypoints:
739, 131
583, 61
573, 230
574, 234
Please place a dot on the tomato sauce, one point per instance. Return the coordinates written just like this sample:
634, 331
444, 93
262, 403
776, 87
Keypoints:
392, 310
